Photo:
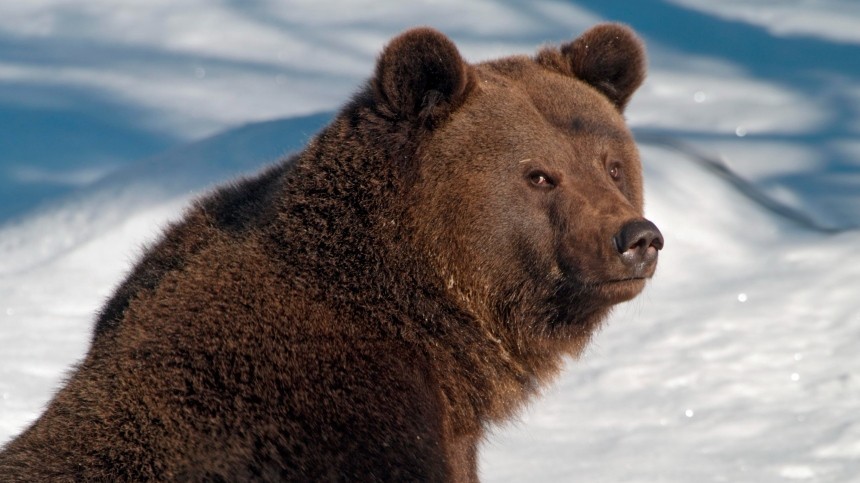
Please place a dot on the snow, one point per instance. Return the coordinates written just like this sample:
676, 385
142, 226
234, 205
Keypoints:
739, 361
830, 19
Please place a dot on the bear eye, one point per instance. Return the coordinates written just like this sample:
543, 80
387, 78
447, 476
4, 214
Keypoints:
615, 170
541, 179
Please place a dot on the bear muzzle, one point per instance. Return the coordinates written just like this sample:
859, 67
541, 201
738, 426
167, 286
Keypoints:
637, 244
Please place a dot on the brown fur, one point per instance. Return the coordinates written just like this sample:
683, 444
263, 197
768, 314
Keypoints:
362, 311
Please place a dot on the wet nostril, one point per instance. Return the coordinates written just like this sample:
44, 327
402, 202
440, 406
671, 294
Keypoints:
639, 246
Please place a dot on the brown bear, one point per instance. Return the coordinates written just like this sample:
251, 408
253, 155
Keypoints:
363, 310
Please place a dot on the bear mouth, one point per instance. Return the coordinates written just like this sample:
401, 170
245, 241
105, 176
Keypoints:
622, 280
620, 289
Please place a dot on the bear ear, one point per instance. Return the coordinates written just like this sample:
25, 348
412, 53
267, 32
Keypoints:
611, 58
420, 76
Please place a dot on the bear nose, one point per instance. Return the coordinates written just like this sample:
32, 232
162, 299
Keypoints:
638, 242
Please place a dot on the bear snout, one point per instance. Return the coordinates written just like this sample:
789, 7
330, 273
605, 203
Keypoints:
637, 244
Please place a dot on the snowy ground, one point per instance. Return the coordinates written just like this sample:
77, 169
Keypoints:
738, 363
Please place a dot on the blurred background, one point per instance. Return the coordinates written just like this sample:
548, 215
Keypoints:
739, 363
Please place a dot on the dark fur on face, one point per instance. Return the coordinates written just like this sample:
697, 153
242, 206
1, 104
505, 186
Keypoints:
363, 310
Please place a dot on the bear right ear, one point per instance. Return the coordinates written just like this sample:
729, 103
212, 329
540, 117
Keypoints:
609, 57
420, 76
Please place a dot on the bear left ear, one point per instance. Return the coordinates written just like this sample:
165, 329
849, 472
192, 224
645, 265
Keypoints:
610, 58
420, 76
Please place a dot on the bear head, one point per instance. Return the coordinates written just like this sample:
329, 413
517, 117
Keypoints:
527, 197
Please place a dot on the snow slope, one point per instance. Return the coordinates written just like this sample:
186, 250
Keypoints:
738, 363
